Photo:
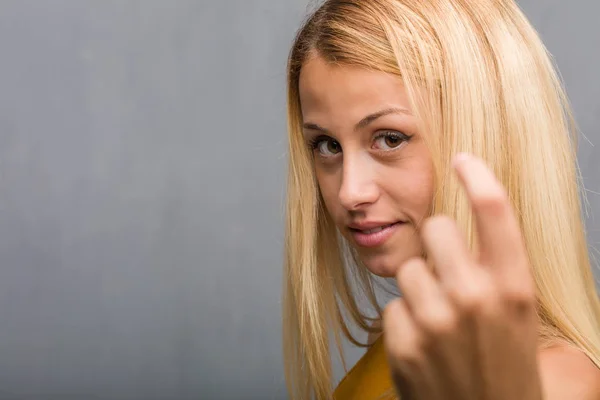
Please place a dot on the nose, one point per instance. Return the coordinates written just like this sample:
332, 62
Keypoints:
359, 187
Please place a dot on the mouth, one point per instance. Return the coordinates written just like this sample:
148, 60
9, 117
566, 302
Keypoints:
375, 230
376, 235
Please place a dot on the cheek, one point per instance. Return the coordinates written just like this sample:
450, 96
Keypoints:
422, 194
415, 190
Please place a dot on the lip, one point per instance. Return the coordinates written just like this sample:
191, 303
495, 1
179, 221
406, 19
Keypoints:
377, 238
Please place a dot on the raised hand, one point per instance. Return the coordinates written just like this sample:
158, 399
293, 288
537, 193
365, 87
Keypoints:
469, 331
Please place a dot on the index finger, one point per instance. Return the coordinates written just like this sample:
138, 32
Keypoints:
499, 235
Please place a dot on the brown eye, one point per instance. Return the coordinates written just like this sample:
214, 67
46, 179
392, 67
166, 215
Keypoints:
388, 141
328, 147
392, 141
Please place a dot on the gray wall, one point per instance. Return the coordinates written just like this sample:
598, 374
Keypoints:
142, 181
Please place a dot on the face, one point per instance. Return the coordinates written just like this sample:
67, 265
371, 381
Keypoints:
373, 168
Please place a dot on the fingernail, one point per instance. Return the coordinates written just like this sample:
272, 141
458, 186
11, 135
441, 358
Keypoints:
460, 158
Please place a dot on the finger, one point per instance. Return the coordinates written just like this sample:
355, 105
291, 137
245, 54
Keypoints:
403, 386
411, 372
401, 344
499, 236
425, 298
447, 251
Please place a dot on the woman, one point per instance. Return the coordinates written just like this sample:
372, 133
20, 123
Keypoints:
431, 141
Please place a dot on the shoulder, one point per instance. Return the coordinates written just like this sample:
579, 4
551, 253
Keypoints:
567, 373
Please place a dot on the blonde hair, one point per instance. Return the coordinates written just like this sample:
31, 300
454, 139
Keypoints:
480, 81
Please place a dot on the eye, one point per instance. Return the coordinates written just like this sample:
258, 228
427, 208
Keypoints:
390, 140
326, 146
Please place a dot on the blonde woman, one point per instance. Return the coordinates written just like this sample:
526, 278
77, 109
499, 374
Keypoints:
431, 141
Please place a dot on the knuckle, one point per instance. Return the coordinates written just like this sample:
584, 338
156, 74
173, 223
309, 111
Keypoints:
520, 299
472, 299
439, 324
407, 353
494, 202
404, 353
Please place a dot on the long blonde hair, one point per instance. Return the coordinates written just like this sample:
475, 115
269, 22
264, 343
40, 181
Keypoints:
480, 81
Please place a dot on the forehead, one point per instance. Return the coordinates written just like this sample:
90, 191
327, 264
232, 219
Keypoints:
343, 90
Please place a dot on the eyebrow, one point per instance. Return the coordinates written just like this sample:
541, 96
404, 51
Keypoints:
365, 121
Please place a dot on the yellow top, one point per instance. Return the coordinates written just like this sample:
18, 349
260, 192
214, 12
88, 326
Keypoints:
369, 379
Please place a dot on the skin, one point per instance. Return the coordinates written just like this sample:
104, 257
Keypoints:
371, 181
470, 331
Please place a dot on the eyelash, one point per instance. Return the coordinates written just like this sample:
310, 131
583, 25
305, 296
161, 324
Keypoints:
316, 141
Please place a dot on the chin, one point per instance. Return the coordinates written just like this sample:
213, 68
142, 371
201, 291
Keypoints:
381, 270
384, 264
